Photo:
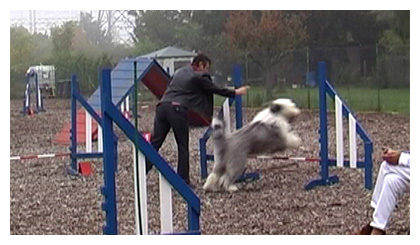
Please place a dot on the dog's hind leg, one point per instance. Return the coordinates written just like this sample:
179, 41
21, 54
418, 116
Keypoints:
227, 183
233, 172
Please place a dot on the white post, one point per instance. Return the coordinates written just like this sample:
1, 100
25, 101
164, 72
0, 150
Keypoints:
165, 205
39, 98
27, 94
226, 115
226, 118
352, 141
339, 131
140, 192
100, 139
127, 103
88, 132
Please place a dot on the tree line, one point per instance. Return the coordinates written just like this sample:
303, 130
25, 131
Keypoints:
261, 40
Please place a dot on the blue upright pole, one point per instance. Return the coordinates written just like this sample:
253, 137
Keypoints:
108, 190
237, 81
203, 157
73, 130
368, 165
323, 121
193, 219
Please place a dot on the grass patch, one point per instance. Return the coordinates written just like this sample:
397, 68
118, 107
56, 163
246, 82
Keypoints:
357, 99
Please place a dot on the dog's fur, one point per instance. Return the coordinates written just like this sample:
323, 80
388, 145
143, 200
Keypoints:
268, 132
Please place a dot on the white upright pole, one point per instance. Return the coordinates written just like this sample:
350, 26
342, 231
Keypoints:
127, 103
166, 223
39, 99
226, 118
352, 141
100, 139
88, 132
140, 192
339, 131
226, 114
27, 94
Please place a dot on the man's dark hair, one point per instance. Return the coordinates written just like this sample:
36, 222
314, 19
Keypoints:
201, 58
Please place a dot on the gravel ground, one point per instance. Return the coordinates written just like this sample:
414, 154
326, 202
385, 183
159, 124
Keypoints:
45, 200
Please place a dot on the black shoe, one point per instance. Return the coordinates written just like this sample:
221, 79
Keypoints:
366, 230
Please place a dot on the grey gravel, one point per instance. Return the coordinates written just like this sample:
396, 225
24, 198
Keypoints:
45, 200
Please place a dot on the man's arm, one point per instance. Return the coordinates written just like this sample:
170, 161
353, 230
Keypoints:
394, 157
206, 84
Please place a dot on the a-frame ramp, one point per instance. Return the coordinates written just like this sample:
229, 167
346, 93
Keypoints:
149, 72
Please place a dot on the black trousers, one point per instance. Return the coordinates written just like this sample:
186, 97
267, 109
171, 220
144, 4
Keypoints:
172, 116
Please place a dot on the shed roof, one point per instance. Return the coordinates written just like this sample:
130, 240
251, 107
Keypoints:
170, 52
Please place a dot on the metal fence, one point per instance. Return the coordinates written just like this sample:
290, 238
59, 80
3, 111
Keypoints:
371, 77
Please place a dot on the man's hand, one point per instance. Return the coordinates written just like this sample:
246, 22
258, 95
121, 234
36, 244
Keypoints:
241, 90
391, 156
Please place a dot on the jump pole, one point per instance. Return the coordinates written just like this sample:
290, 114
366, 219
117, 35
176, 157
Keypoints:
111, 115
237, 81
139, 167
90, 113
354, 129
46, 155
27, 96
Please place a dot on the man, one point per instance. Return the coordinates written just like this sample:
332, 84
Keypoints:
191, 88
392, 181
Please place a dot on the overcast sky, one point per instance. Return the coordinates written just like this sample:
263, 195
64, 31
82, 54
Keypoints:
45, 19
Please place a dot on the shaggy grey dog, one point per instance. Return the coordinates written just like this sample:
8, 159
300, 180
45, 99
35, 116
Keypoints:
268, 132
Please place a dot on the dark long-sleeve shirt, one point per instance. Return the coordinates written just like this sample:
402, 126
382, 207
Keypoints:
194, 90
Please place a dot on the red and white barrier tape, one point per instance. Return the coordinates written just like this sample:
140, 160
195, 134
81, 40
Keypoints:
39, 156
147, 136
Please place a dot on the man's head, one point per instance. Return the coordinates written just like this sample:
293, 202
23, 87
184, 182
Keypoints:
201, 63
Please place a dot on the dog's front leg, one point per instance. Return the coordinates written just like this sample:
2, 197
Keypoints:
293, 141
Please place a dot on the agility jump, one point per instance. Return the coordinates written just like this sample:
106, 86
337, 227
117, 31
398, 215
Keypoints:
110, 115
141, 149
107, 148
32, 74
354, 129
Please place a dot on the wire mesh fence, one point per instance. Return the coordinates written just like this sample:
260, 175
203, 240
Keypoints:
369, 78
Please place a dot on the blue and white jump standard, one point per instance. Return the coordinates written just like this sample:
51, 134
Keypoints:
340, 110
225, 110
354, 129
168, 178
31, 73
90, 112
